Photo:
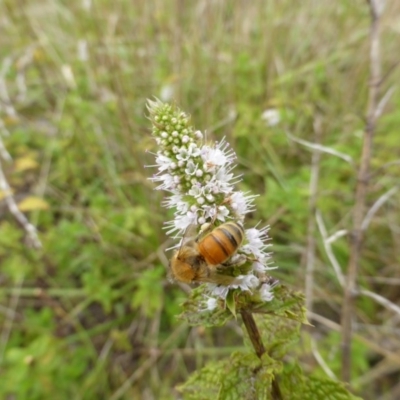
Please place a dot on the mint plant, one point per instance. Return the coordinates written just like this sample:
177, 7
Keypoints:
200, 183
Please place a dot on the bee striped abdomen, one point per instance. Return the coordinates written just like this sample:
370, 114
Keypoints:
221, 243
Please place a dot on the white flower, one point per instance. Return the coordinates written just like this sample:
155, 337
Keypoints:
163, 162
222, 181
210, 304
200, 200
176, 201
271, 116
185, 154
191, 168
256, 248
198, 135
256, 242
244, 282
196, 191
222, 212
260, 267
218, 290
240, 203
266, 291
167, 92
181, 222
217, 156
202, 183
215, 212
168, 182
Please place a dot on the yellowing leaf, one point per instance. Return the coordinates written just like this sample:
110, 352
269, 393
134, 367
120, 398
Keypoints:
33, 203
24, 163
10, 121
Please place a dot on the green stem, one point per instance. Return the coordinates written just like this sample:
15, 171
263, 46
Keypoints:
258, 345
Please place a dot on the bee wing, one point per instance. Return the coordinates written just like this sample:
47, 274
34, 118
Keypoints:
189, 235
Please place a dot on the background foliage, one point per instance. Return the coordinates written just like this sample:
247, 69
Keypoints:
92, 315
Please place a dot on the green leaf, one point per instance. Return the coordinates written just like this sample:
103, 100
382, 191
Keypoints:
148, 293
205, 383
242, 376
296, 386
195, 310
286, 303
230, 302
278, 334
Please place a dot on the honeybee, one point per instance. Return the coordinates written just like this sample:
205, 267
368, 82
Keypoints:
197, 260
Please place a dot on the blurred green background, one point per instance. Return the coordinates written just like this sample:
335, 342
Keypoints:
92, 314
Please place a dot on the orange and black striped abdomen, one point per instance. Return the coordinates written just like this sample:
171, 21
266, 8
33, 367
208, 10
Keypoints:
221, 243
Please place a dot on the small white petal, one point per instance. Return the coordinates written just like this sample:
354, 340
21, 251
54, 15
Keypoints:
198, 135
271, 116
211, 303
266, 292
222, 212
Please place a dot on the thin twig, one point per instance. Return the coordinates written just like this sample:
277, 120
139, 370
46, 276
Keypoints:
382, 200
4, 186
7, 327
335, 236
310, 246
19, 216
4, 96
322, 149
356, 236
321, 362
381, 300
256, 341
4, 154
382, 280
382, 103
328, 249
371, 344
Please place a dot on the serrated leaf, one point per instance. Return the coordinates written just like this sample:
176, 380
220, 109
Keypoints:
249, 378
316, 388
296, 386
241, 377
196, 313
239, 380
286, 303
277, 333
33, 203
205, 383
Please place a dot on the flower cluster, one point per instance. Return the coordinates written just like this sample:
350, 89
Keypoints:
201, 183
